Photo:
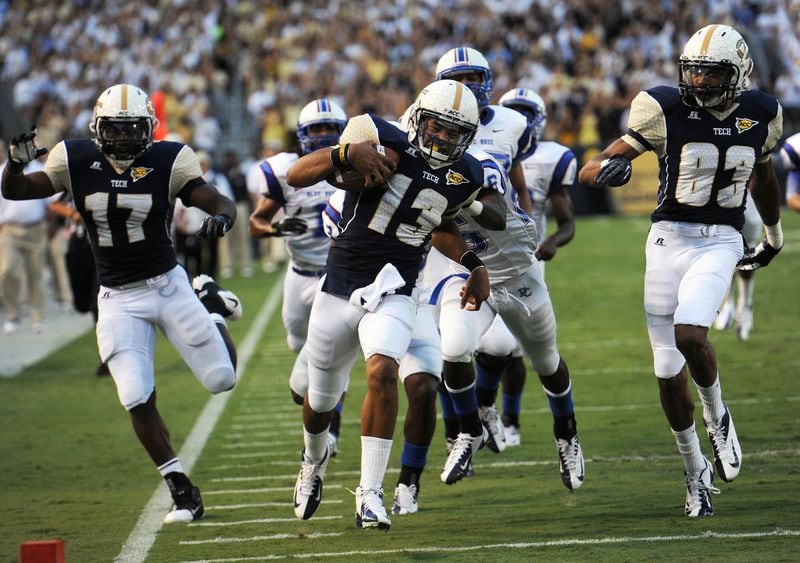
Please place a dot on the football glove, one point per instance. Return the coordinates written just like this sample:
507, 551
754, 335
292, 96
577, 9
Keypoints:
288, 226
215, 226
22, 150
615, 171
758, 257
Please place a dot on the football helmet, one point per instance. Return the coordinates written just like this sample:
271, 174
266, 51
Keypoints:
720, 53
443, 121
321, 111
466, 59
531, 105
123, 122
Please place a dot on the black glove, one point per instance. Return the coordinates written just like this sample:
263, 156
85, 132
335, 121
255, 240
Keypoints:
22, 150
758, 257
214, 226
615, 171
288, 226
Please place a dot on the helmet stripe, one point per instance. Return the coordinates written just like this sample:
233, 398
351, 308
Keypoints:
461, 55
707, 39
457, 101
123, 104
323, 105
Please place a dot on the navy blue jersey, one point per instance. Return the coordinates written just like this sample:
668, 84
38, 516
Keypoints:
704, 162
127, 215
392, 223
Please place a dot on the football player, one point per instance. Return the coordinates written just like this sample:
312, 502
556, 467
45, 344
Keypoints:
124, 186
367, 296
710, 134
790, 152
549, 173
319, 125
509, 138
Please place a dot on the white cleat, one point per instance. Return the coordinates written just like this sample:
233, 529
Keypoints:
725, 443
698, 492
491, 421
405, 499
459, 462
370, 512
216, 299
308, 488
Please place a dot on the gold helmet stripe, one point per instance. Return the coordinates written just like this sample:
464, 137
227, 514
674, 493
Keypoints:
707, 39
124, 101
459, 93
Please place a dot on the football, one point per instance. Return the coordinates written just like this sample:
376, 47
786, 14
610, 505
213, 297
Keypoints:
353, 180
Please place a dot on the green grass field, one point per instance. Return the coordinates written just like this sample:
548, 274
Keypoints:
72, 468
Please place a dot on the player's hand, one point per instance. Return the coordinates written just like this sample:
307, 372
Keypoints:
476, 290
22, 149
288, 226
614, 171
546, 250
758, 257
214, 226
373, 164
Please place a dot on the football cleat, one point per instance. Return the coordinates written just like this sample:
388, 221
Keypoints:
216, 299
570, 461
491, 421
724, 319
698, 492
725, 443
459, 462
513, 437
370, 512
449, 443
745, 323
187, 503
308, 489
405, 499
333, 443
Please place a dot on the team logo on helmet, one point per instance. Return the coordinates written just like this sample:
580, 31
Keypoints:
455, 178
745, 124
139, 172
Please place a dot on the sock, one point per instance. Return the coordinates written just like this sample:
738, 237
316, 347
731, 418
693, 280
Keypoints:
447, 403
689, 448
489, 371
512, 405
315, 444
561, 403
465, 403
711, 397
413, 462
172, 466
336, 421
375, 454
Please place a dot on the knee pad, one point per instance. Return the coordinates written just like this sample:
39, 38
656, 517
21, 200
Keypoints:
667, 360
219, 379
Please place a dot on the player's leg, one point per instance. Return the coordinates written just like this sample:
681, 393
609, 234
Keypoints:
384, 336
420, 372
513, 387
752, 231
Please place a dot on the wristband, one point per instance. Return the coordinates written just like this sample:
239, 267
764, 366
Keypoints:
475, 208
471, 261
774, 235
339, 154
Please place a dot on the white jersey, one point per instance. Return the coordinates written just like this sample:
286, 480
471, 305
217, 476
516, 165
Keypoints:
509, 252
309, 250
790, 153
551, 166
504, 134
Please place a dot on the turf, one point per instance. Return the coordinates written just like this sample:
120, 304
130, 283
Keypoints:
72, 469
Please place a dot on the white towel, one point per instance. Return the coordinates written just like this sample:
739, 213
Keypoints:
386, 282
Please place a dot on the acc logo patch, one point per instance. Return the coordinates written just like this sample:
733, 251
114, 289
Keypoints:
745, 124
140, 172
454, 178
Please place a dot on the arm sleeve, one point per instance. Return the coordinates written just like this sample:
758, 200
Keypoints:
647, 128
57, 169
185, 169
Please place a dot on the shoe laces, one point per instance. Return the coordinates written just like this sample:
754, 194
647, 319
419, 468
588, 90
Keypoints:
568, 450
719, 436
407, 494
698, 490
309, 471
372, 501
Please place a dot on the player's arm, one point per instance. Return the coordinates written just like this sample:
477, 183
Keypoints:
612, 167
517, 177
489, 210
261, 224
318, 165
447, 239
763, 186
17, 185
221, 209
561, 203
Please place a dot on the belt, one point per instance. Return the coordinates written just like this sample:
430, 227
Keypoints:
308, 273
694, 229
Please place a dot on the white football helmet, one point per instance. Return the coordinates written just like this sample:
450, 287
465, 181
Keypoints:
531, 105
123, 122
321, 111
717, 51
443, 121
466, 59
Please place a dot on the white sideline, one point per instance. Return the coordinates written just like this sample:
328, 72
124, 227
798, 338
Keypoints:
141, 539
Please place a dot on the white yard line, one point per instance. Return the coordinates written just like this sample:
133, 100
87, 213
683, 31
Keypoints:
141, 539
